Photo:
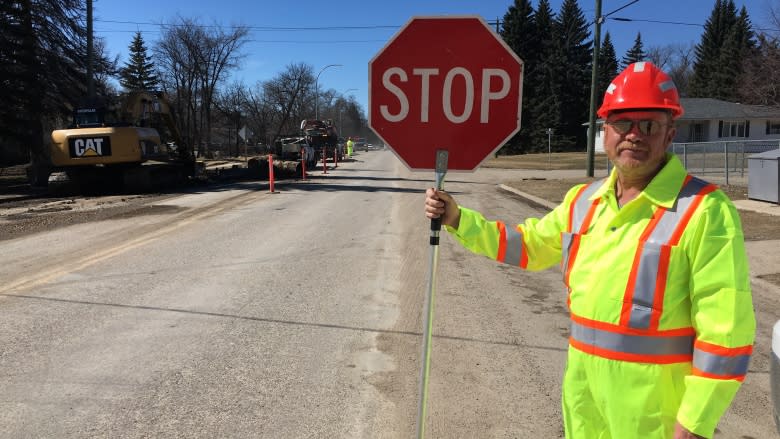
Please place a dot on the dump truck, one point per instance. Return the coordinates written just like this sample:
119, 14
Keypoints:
323, 134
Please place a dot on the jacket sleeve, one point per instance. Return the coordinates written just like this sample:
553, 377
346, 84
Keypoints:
533, 245
721, 313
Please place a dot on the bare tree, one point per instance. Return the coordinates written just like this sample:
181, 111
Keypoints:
661, 56
773, 17
677, 61
197, 60
230, 104
287, 92
259, 112
760, 82
178, 74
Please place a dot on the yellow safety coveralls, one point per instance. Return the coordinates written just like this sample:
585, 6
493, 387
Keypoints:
662, 322
350, 145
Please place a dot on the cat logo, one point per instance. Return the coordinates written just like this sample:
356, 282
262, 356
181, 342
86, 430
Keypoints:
90, 146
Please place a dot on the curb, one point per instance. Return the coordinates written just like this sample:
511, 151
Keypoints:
533, 199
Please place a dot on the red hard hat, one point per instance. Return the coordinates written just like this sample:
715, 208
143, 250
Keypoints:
641, 85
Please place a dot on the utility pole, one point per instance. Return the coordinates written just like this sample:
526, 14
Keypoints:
593, 85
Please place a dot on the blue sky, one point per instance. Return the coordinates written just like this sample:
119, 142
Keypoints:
365, 26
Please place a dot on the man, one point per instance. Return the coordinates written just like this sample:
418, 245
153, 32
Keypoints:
350, 145
654, 262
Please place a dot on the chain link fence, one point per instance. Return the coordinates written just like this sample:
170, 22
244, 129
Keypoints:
721, 162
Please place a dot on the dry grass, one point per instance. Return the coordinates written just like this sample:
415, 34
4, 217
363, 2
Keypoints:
756, 226
554, 161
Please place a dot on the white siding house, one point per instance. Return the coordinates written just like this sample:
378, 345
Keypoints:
713, 120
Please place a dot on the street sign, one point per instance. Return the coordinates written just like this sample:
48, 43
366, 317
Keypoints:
445, 83
242, 133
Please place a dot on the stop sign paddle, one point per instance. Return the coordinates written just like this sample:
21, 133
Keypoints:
445, 83
444, 93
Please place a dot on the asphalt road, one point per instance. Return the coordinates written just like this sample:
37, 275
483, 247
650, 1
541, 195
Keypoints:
233, 312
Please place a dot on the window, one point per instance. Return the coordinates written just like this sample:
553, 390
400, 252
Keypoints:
773, 127
696, 132
732, 129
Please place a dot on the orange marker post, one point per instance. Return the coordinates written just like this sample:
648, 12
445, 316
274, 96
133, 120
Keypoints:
271, 173
303, 165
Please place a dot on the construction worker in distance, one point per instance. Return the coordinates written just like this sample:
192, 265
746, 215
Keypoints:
656, 275
350, 145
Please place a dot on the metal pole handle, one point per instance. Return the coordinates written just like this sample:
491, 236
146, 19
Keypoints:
441, 170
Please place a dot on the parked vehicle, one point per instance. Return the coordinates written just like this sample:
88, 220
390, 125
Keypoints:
322, 134
130, 139
290, 147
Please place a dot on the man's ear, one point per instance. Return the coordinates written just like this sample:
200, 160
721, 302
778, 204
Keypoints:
670, 135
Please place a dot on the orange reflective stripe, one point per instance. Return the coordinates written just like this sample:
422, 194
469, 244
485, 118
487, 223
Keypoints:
589, 216
501, 241
723, 350
697, 372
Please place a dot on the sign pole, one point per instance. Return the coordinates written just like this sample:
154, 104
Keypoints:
441, 170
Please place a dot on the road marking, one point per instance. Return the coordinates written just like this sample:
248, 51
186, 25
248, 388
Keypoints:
181, 220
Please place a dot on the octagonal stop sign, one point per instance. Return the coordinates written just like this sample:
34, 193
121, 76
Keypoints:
445, 83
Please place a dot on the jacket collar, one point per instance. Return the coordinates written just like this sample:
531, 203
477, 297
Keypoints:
663, 188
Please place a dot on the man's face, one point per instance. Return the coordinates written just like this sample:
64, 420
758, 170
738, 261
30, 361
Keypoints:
636, 141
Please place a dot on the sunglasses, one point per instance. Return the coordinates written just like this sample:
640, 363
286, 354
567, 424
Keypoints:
647, 127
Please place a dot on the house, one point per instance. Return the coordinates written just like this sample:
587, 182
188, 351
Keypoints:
713, 120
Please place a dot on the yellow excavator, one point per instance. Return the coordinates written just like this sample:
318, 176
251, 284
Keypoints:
120, 142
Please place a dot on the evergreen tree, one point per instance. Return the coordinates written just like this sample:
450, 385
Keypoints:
139, 73
42, 70
517, 30
573, 74
727, 41
636, 53
736, 48
608, 67
546, 107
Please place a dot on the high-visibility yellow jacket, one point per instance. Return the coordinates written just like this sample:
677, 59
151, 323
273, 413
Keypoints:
663, 280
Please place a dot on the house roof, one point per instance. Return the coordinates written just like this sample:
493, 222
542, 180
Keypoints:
708, 108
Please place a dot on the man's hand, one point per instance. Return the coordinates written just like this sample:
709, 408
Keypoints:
441, 204
681, 432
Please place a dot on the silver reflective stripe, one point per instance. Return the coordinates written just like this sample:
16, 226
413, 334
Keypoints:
644, 288
649, 259
566, 240
720, 364
583, 204
632, 344
514, 246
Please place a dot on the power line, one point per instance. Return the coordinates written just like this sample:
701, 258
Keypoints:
257, 28
681, 23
